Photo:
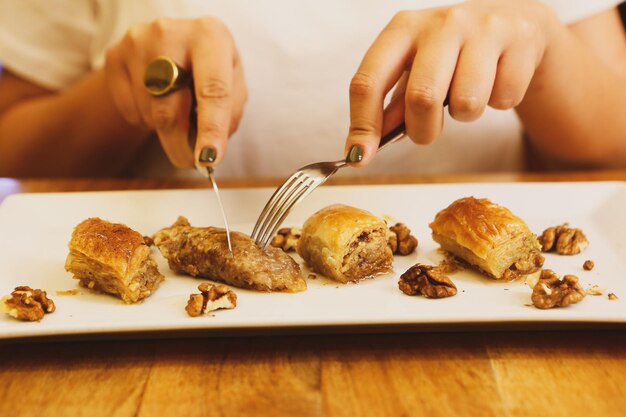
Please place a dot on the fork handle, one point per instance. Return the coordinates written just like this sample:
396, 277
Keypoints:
395, 135
400, 131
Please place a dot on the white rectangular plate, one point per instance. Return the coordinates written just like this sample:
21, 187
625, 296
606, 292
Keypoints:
35, 230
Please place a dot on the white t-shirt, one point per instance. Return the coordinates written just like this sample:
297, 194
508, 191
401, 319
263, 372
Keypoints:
298, 60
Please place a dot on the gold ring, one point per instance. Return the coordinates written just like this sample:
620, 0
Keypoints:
163, 76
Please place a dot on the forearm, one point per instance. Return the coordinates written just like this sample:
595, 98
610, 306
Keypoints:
575, 108
77, 132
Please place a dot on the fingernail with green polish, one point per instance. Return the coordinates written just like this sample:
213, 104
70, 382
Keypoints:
355, 154
208, 155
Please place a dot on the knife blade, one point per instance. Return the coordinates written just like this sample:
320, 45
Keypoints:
164, 72
208, 171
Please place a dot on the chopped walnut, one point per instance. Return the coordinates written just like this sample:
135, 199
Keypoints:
401, 241
148, 240
427, 280
287, 238
27, 304
613, 297
550, 291
588, 265
563, 239
212, 297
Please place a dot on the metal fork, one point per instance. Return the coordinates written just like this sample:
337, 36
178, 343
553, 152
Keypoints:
299, 185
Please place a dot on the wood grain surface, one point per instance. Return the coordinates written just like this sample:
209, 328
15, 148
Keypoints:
478, 373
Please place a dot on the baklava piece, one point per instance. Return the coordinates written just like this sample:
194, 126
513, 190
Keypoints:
345, 243
114, 259
488, 237
203, 252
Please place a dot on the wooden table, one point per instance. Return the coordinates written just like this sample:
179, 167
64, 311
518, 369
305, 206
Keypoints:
514, 373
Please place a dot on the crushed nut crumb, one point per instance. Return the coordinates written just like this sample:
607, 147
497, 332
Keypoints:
426, 280
550, 291
27, 304
448, 266
613, 297
594, 290
148, 240
287, 238
401, 241
563, 239
212, 297
68, 292
588, 265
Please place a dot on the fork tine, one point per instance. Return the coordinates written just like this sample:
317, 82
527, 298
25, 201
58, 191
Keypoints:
306, 191
279, 202
279, 206
283, 210
272, 201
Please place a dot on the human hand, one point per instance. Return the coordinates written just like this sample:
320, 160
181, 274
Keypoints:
476, 53
203, 47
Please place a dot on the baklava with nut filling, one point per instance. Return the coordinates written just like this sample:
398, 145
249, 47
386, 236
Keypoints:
203, 252
112, 258
345, 243
488, 237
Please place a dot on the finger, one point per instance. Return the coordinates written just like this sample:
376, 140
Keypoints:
240, 97
213, 61
393, 114
428, 84
136, 62
381, 67
514, 74
119, 84
170, 114
473, 79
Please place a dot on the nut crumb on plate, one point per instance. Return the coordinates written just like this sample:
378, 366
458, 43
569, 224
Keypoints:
594, 290
427, 280
68, 292
550, 291
588, 265
27, 304
212, 297
563, 239
613, 297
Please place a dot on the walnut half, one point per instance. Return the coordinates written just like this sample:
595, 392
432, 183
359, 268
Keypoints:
563, 239
212, 297
426, 280
401, 241
27, 304
550, 291
287, 238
